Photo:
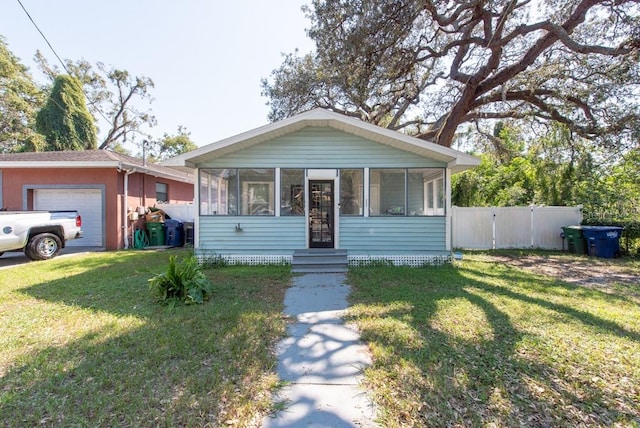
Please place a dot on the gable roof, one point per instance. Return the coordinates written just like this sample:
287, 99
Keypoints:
456, 160
90, 159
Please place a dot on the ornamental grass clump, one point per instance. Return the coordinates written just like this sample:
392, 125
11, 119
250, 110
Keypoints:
183, 281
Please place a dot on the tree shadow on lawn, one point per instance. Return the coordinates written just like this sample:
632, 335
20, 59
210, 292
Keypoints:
615, 292
138, 363
489, 354
543, 291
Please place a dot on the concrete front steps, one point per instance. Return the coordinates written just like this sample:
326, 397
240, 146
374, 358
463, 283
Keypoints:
319, 260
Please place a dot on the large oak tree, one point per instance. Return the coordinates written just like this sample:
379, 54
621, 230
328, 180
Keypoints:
426, 67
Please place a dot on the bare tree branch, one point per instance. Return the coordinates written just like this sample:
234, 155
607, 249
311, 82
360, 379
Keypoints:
429, 66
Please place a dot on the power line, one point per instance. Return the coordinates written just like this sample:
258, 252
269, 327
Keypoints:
43, 36
59, 59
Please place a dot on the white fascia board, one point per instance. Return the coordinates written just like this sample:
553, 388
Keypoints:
58, 164
190, 158
142, 170
374, 132
463, 163
324, 118
189, 180
246, 139
188, 169
95, 164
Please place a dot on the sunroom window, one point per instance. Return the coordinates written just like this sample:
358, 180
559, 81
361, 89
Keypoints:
351, 191
237, 191
406, 192
215, 198
387, 192
291, 192
434, 192
257, 187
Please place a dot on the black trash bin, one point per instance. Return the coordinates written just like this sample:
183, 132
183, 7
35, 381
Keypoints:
603, 241
174, 233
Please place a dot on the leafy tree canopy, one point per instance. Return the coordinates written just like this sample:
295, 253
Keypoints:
114, 96
427, 67
170, 146
65, 121
20, 99
554, 170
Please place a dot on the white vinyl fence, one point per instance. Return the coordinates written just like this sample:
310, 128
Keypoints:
183, 212
480, 228
512, 227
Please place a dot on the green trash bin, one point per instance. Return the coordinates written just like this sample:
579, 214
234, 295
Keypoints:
575, 240
156, 233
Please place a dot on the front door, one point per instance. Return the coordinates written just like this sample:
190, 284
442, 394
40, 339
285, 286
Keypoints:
321, 214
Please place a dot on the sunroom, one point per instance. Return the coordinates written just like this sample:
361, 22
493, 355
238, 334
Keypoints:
321, 180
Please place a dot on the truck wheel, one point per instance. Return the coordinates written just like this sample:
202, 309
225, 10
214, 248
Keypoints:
44, 246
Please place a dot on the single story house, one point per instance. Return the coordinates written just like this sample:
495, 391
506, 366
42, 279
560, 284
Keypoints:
322, 180
109, 190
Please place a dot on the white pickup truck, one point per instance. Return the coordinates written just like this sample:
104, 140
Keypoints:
40, 234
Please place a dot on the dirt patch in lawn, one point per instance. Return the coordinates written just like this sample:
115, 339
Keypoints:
602, 274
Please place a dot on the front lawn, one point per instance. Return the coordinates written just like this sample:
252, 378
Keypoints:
478, 343
84, 344
482, 343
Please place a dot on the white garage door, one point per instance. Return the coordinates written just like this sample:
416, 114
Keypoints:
88, 203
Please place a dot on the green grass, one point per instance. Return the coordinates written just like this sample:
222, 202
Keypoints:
484, 344
84, 344
474, 344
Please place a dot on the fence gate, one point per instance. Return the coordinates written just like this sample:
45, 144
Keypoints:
484, 228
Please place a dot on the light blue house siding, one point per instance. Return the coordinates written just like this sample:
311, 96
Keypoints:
257, 234
392, 235
321, 148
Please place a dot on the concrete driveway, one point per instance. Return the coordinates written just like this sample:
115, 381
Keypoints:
10, 259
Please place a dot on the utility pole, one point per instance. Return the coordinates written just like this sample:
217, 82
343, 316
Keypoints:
145, 144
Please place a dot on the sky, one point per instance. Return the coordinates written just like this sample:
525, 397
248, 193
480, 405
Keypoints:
206, 57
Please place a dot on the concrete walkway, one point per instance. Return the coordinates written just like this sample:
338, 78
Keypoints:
322, 359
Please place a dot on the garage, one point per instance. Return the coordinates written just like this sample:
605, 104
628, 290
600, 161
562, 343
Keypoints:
102, 186
88, 203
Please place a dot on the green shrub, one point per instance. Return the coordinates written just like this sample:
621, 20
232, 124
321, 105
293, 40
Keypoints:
214, 261
183, 281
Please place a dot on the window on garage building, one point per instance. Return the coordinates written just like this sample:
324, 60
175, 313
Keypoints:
162, 192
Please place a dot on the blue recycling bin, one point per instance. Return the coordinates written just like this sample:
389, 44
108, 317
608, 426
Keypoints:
603, 241
174, 233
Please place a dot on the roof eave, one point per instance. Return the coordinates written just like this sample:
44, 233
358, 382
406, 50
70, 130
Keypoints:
463, 163
323, 118
59, 164
97, 164
154, 173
